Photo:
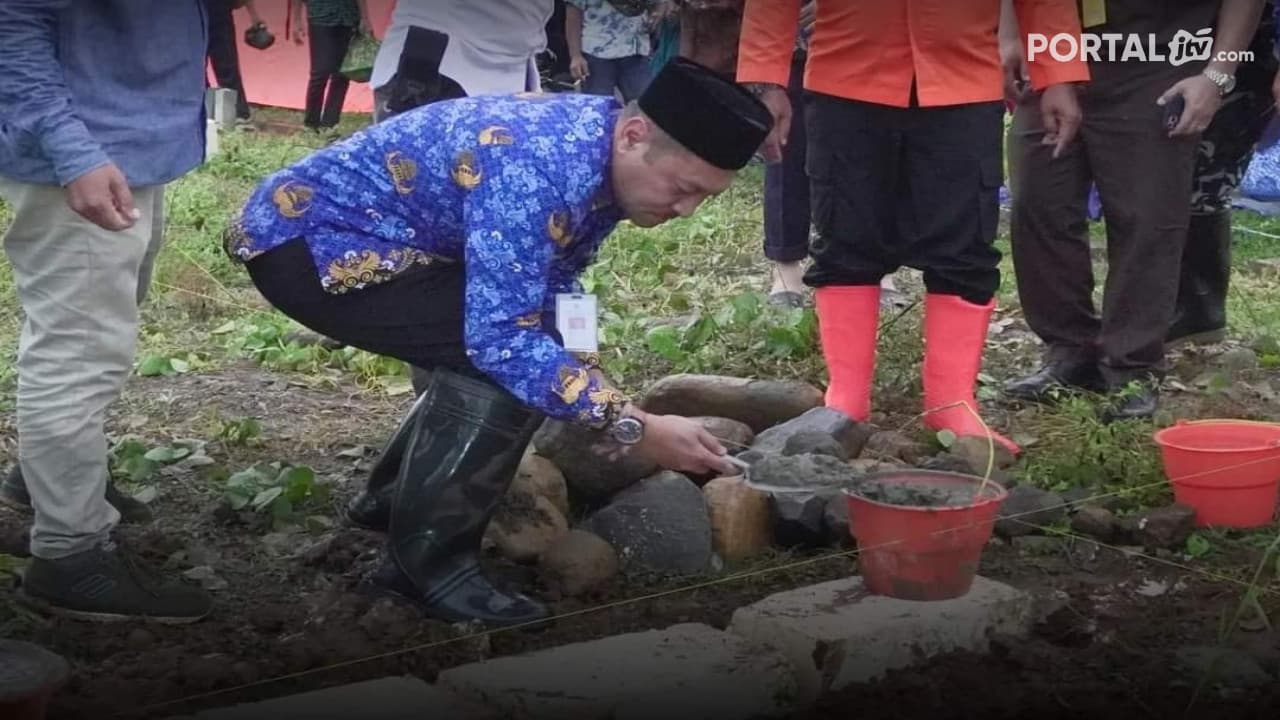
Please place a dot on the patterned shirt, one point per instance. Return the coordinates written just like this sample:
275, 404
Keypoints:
515, 188
608, 34
342, 13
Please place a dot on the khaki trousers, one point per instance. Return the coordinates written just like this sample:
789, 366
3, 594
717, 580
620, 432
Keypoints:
80, 287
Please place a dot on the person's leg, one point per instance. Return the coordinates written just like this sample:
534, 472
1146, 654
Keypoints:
602, 76
319, 49
786, 201
1200, 315
1053, 267
338, 84
1138, 169
852, 164
949, 211
459, 447
224, 57
79, 289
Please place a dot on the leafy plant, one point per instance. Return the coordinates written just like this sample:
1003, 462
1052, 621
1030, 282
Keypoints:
243, 432
285, 492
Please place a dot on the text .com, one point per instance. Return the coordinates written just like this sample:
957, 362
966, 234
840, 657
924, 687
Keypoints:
1185, 47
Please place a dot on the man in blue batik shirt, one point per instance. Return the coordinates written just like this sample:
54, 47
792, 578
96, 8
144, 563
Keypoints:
446, 237
101, 105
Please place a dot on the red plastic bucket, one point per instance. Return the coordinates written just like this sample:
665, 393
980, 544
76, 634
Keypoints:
1228, 471
923, 553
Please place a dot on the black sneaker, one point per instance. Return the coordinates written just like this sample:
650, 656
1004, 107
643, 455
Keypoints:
13, 492
109, 584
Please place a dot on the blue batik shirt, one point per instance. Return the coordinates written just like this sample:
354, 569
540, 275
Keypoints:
608, 34
515, 188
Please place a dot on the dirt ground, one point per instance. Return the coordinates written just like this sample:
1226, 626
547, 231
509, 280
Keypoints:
293, 603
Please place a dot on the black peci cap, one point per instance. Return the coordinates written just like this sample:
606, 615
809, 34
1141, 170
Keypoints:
715, 118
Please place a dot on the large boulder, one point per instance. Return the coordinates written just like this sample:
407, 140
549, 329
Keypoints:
525, 526
540, 477
1160, 528
799, 488
741, 520
1026, 508
852, 436
593, 468
760, 404
659, 525
893, 445
733, 434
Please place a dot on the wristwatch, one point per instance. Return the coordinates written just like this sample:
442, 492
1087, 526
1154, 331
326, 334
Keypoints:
1225, 81
627, 430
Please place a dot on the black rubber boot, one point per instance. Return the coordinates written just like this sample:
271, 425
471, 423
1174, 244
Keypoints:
1201, 315
371, 509
463, 453
1056, 375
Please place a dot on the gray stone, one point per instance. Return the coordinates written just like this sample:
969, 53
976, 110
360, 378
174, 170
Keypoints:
835, 520
837, 633
761, 404
1223, 666
659, 525
1027, 507
1096, 522
815, 443
851, 435
393, 698
977, 454
799, 489
1238, 360
890, 444
1162, 528
690, 672
591, 465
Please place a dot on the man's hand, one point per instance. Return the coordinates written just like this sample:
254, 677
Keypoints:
1016, 76
1060, 114
684, 445
102, 197
578, 67
1202, 99
299, 33
775, 98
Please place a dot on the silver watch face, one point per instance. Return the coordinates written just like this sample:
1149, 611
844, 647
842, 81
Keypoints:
628, 431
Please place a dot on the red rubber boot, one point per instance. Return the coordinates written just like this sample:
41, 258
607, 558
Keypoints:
955, 332
848, 319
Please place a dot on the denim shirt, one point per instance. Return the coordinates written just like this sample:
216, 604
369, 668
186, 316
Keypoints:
514, 189
87, 83
608, 34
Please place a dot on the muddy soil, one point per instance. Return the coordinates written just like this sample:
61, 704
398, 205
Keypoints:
294, 605
916, 493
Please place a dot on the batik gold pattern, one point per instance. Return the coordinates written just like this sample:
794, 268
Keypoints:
532, 320
496, 135
292, 199
357, 270
466, 173
237, 243
558, 228
403, 171
573, 382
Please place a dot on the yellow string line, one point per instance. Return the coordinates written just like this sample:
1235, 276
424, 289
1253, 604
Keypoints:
210, 298
681, 590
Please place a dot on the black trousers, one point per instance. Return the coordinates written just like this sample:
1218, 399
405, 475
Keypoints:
416, 317
786, 186
911, 186
326, 89
223, 55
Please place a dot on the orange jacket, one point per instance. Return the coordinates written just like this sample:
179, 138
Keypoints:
870, 50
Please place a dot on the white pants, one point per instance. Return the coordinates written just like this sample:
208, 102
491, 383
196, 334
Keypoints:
80, 287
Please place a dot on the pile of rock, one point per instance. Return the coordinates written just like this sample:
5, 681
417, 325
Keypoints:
583, 513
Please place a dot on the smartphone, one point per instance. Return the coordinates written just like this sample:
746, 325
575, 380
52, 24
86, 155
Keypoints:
1173, 112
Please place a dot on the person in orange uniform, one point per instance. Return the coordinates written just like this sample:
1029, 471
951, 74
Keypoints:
904, 124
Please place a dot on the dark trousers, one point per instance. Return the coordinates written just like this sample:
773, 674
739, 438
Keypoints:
416, 317
629, 75
326, 89
1142, 177
224, 57
911, 186
786, 185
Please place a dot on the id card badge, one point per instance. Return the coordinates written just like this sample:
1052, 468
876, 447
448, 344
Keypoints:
1095, 13
576, 321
